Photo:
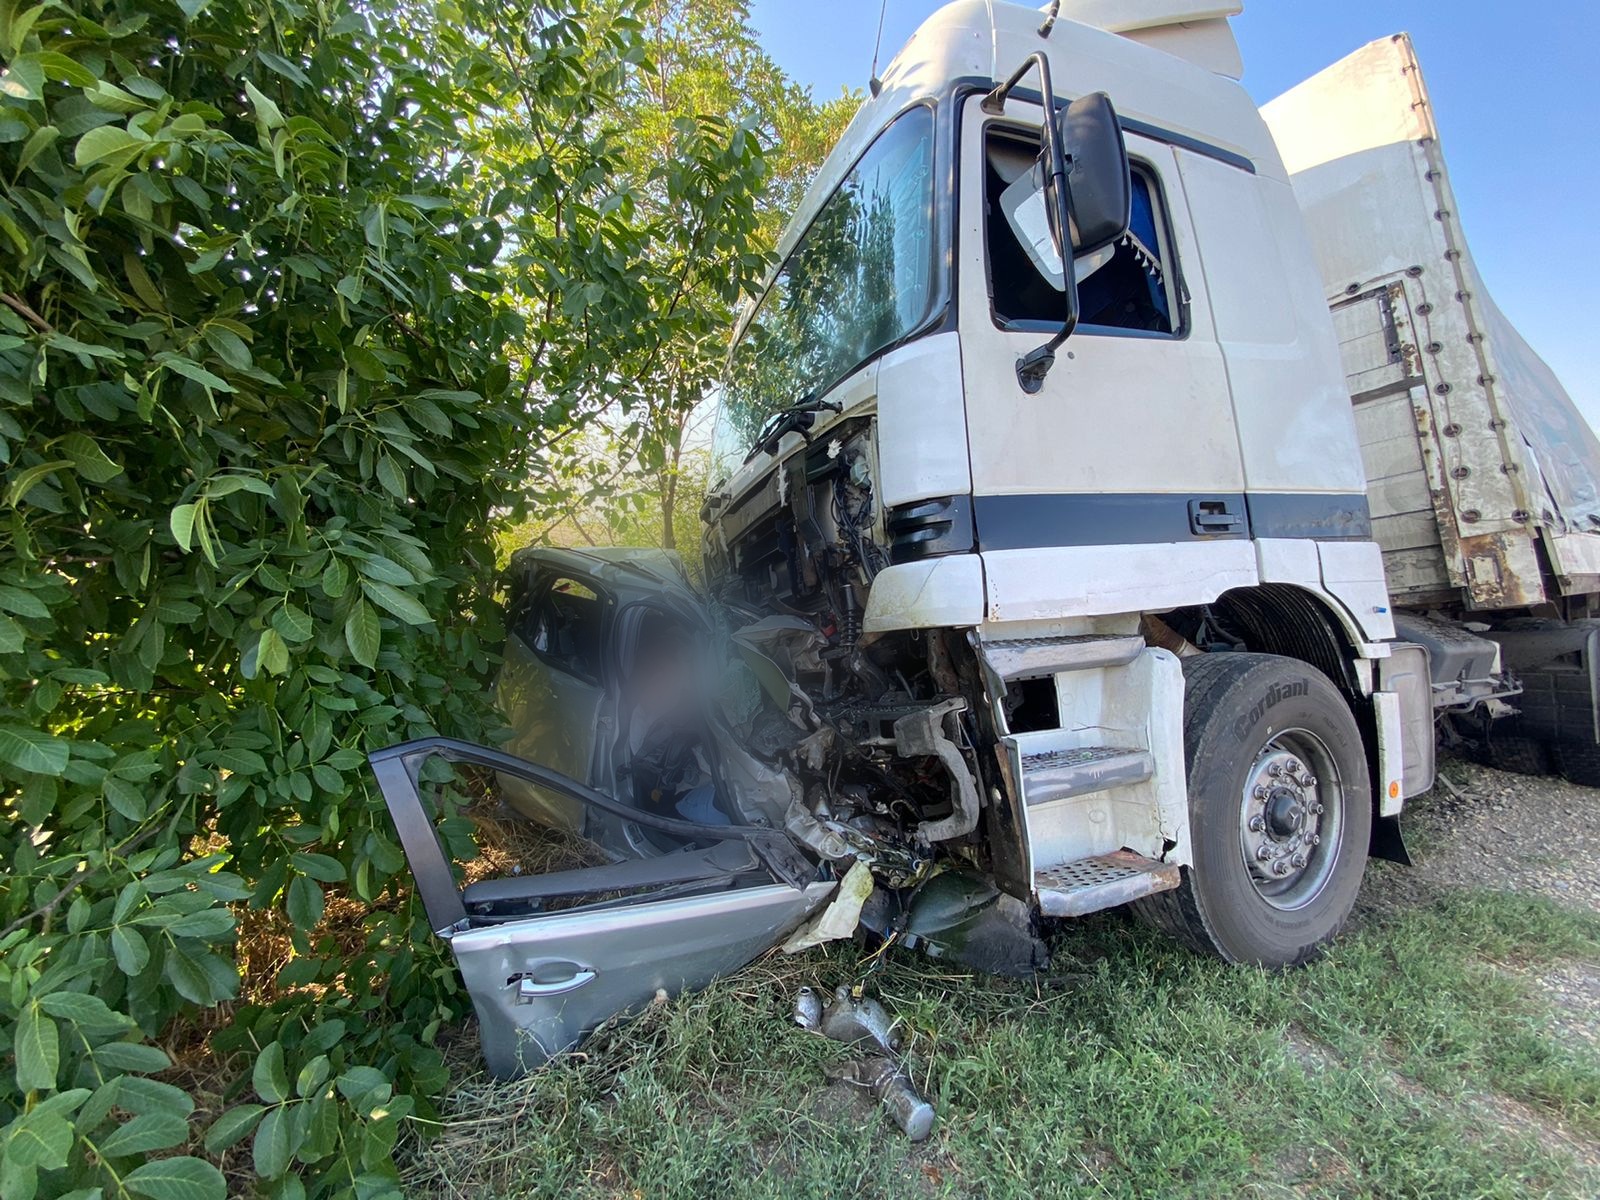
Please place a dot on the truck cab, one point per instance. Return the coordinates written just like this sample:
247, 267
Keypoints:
1181, 482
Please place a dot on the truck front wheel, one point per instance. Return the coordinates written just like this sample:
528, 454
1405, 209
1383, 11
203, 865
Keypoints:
1280, 811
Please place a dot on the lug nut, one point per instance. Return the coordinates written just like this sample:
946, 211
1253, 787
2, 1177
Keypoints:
1275, 770
1262, 854
1317, 810
1316, 839
1280, 867
1261, 792
1299, 860
1256, 823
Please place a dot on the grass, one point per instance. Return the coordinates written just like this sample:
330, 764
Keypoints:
1415, 1061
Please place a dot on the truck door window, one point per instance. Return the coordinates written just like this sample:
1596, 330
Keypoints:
1133, 286
564, 626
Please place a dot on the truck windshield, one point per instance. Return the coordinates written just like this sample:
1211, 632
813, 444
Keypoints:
860, 279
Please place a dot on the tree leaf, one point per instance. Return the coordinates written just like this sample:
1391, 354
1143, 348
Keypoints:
199, 975
132, 1056
273, 653
193, 370
268, 1076
29, 750
396, 601
272, 1148
39, 1139
363, 634
88, 1012
304, 903
88, 459
293, 622
150, 1131
208, 924
177, 1179
104, 142
391, 477
23, 603
63, 70
41, 140
267, 112
239, 761
38, 1050
231, 1126
181, 521
131, 950
32, 478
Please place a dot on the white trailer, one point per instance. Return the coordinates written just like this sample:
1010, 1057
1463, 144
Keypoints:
1482, 476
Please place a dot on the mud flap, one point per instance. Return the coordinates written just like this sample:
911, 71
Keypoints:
1386, 841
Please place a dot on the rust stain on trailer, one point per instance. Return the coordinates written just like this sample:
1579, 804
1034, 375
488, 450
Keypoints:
1492, 577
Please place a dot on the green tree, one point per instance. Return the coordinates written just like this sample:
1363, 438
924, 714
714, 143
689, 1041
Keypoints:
704, 57
292, 298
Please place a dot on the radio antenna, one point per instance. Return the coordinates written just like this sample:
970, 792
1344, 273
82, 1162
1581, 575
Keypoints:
875, 85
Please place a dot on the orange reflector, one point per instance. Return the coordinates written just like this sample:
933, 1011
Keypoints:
1394, 790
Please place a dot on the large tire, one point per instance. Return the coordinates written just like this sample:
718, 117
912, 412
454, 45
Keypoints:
1243, 714
1578, 762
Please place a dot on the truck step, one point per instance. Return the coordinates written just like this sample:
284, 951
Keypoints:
1029, 658
1058, 774
1091, 884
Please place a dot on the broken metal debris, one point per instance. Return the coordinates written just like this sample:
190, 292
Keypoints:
890, 1085
862, 1022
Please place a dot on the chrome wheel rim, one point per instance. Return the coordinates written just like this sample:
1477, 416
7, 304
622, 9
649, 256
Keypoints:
1291, 818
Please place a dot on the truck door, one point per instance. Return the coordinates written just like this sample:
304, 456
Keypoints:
1131, 443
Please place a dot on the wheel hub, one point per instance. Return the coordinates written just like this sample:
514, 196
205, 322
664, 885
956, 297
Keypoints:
1285, 812
1283, 824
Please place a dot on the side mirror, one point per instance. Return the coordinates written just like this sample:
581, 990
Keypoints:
1099, 195
1088, 191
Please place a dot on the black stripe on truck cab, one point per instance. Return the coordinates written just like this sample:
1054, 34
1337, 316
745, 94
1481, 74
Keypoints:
1309, 515
929, 528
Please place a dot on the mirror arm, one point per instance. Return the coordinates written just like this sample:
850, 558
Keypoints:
1033, 366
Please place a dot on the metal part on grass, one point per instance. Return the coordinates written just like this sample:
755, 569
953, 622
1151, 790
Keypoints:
863, 1022
892, 1087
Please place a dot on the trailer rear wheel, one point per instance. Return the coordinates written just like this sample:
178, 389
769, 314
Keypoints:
1280, 811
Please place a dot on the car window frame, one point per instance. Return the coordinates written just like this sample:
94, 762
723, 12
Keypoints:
542, 587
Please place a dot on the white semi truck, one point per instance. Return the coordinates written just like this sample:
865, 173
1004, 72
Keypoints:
1031, 589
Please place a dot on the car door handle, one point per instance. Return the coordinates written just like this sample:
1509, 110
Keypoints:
530, 989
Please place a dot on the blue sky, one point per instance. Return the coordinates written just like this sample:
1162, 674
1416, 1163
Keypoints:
1517, 103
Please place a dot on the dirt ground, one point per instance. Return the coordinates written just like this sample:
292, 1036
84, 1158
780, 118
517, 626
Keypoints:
1530, 835
1485, 828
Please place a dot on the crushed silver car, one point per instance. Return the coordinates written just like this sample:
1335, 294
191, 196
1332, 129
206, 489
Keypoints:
687, 746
